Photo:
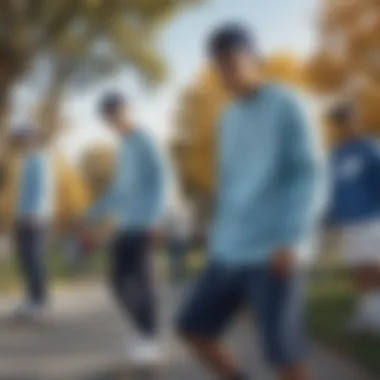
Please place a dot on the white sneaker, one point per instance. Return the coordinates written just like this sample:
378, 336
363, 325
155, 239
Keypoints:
146, 353
28, 311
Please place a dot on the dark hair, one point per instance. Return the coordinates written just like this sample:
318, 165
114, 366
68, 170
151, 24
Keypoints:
111, 102
230, 37
341, 113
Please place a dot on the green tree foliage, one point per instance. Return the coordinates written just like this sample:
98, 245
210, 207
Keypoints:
79, 39
89, 35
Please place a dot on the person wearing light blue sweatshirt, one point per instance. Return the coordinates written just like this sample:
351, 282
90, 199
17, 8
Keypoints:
268, 201
35, 210
135, 201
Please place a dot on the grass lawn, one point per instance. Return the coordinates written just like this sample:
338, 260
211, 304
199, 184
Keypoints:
330, 305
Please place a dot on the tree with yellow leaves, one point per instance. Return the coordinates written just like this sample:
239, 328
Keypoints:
73, 194
285, 67
97, 167
347, 62
197, 114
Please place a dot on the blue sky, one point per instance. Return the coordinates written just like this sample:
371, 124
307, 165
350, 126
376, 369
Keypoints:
279, 25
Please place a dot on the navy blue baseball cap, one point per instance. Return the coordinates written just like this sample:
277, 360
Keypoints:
111, 102
231, 37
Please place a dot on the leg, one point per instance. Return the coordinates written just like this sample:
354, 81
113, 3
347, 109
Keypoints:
364, 278
132, 280
364, 285
377, 276
215, 356
31, 250
118, 270
22, 244
142, 289
279, 305
361, 246
38, 270
298, 372
368, 289
211, 307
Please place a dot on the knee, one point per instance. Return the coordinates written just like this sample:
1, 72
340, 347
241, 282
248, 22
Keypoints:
188, 339
275, 355
193, 341
282, 352
193, 336
182, 332
185, 330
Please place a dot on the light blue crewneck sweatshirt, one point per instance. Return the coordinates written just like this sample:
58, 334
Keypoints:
270, 178
36, 198
136, 195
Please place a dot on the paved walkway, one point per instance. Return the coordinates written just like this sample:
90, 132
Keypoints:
83, 341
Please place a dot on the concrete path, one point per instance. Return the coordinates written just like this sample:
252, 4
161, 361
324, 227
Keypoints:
85, 338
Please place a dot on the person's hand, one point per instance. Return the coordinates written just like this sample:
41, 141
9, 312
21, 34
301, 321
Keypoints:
283, 262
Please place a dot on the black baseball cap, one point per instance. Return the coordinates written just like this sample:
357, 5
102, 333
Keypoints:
111, 102
232, 36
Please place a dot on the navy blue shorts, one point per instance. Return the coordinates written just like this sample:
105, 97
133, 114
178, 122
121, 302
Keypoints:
278, 304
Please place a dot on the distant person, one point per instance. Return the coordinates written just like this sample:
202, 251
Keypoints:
355, 212
266, 210
34, 214
135, 199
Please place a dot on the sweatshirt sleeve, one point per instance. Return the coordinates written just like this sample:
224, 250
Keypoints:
303, 175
